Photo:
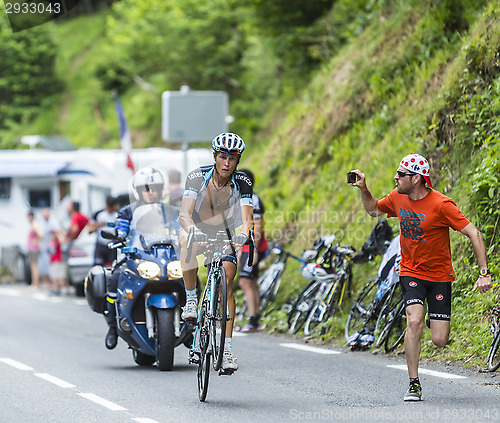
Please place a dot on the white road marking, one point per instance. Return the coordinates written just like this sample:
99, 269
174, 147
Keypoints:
16, 364
101, 401
310, 349
56, 381
144, 420
428, 372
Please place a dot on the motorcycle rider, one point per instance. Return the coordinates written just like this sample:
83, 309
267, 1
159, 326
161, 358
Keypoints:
147, 188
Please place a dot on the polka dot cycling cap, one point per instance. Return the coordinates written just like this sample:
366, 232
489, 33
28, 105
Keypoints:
417, 164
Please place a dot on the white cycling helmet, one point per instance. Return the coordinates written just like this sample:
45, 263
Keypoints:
228, 143
321, 274
308, 271
147, 179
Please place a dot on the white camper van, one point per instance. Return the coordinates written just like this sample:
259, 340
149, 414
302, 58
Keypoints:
35, 178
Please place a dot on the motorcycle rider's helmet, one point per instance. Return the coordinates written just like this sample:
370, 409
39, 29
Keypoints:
147, 185
228, 143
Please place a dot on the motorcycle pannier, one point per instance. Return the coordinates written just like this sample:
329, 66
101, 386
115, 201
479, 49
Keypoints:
95, 288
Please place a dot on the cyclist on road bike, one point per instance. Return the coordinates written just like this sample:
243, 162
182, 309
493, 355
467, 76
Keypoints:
426, 272
217, 198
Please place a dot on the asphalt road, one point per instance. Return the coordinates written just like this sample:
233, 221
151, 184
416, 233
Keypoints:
54, 368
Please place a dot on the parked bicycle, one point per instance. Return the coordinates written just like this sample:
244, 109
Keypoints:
493, 358
269, 282
370, 311
331, 278
210, 331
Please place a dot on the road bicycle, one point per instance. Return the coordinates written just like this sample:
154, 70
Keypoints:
493, 358
213, 314
269, 282
324, 295
396, 327
369, 314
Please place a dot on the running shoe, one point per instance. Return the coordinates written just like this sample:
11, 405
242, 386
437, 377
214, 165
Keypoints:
414, 392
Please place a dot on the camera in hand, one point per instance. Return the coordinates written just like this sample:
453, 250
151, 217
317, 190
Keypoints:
351, 177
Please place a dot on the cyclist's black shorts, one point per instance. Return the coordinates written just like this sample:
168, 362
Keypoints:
250, 272
438, 295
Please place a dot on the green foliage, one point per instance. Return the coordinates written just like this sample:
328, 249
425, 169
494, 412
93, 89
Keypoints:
28, 81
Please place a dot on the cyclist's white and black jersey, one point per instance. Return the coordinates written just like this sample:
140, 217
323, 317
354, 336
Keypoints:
240, 194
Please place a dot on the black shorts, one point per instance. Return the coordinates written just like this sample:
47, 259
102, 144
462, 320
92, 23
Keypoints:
103, 255
438, 295
250, 272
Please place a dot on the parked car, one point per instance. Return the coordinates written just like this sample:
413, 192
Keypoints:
81, 260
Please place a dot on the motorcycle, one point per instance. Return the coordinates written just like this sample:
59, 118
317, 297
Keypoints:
150, 287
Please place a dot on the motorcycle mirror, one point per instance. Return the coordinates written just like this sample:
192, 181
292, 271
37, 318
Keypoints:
109, 233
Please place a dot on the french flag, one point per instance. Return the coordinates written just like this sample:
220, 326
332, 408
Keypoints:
125, 137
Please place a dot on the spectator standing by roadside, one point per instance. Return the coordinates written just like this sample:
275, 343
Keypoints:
33, 246
249, 274
57, 265
48, 225
103, 255
175, 190
77, 223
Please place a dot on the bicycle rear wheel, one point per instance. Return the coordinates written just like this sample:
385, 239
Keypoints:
494, 354
362, 310
302, 307
219, 319
205, 354
396, 330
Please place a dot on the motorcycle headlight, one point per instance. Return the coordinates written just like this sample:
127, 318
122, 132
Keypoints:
149, 270
174, 270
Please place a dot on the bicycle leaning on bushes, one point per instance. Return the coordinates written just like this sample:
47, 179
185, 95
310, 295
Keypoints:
210, 331
269, 282
373, 308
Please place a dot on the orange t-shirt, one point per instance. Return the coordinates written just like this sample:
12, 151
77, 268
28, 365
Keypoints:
425, 237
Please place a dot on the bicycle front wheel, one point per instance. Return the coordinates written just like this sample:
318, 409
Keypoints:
218, 309
270, 293
302, 307
396, 330
362, 309
392, 300
205, 358
494, 354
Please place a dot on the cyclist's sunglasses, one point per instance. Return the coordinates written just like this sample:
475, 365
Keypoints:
403, 174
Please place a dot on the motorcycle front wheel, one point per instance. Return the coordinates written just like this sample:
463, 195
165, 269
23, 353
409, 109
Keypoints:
164, 338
